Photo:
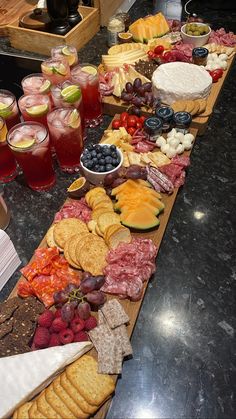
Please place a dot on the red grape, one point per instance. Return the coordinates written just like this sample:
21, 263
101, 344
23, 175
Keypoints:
129, 87
67, 312
87, 284
84, 310
100, 280
96, 297
136, 84
60, 297
147, 87
70, 287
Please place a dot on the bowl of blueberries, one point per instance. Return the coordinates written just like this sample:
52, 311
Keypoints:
98, 160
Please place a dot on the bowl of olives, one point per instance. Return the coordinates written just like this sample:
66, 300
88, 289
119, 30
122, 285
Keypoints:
98, 160
195, 33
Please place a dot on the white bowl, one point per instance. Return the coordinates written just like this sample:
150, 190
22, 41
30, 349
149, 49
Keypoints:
196, 41
97, 178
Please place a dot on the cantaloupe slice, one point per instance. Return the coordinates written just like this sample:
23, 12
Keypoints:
142, 220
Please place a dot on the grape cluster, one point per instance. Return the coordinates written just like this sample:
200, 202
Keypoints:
137, 94
73, 298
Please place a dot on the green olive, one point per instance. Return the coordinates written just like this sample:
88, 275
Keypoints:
190, 32
196, 33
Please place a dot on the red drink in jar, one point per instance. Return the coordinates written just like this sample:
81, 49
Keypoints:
56, 70
29, 142
86, 75
8, 108
35, 84
8, 169
64, 125
35, 108
66, 95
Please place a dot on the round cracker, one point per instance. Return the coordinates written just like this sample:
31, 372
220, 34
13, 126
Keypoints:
50, 238
206, 113
93, 256
99, 211
195, 109
74, 240
179, 105
189, 106
66, 228
106, 219
68, 257
86, 239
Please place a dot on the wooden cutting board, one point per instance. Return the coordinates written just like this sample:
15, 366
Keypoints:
11, 10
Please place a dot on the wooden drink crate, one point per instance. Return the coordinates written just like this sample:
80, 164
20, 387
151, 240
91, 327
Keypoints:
42, 42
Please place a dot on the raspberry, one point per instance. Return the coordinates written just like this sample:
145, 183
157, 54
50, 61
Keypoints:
90, 323
77, 324
58, 324
66, 336
41, 337
57, 313
54, 340
45, 319
80, 337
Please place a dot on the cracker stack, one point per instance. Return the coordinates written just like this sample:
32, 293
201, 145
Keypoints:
110, 337
76, 393
198, 107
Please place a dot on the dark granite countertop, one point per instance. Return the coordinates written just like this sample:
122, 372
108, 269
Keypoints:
184, 363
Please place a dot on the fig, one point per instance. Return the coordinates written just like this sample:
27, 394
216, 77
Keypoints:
109, 178
118, 182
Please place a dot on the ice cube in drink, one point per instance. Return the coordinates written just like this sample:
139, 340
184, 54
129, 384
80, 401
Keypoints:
65, 52
29, 142
64, 125
35, 107
86, 76
36, 84
56, 70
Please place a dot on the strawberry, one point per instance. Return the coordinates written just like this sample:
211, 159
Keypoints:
45, 319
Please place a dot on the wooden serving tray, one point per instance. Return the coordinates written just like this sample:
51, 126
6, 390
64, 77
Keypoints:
133, 308
42, 42
112, 105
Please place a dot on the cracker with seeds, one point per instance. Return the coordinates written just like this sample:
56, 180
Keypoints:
114, 313
122, 337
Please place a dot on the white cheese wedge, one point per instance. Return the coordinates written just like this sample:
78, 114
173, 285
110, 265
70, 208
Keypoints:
23, 376
180, 81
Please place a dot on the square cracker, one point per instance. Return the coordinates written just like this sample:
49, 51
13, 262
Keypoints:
94, 387
23, 411
57, 404
122, 337
76, 396
44, 407
98, 336
110, 356
34, 412
114, 313
67, 399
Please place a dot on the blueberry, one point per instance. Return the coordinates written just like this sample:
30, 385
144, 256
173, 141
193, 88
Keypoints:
108, 160
89, 164
109, 167
93, 153
107, 152
99, 155
114, 154
85, 162
102, 168
101, 161
113, 147
95, 160
96, 168
115, 162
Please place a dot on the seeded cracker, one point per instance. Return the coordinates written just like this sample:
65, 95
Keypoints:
101, 318
8, 307
6, 327
114, 313
122, 337
98, 336
110, 356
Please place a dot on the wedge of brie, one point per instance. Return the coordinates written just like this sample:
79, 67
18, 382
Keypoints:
180, 81
23, 376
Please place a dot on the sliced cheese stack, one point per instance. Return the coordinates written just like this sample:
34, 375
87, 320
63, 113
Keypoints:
124, 75
111, 62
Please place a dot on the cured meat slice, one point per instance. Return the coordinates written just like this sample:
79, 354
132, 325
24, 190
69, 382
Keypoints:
183, 161
129, 265
221, 37
74, 209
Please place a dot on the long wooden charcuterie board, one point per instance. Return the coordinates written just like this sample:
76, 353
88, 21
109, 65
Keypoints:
113, 105
133, 308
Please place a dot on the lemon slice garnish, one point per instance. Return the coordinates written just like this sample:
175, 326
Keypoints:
71, 93
37, 110
45, 87
74, 119
69, 56
25, 143
90, 70
3, 132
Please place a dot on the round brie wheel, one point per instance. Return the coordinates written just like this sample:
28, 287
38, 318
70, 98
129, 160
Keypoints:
180, 81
